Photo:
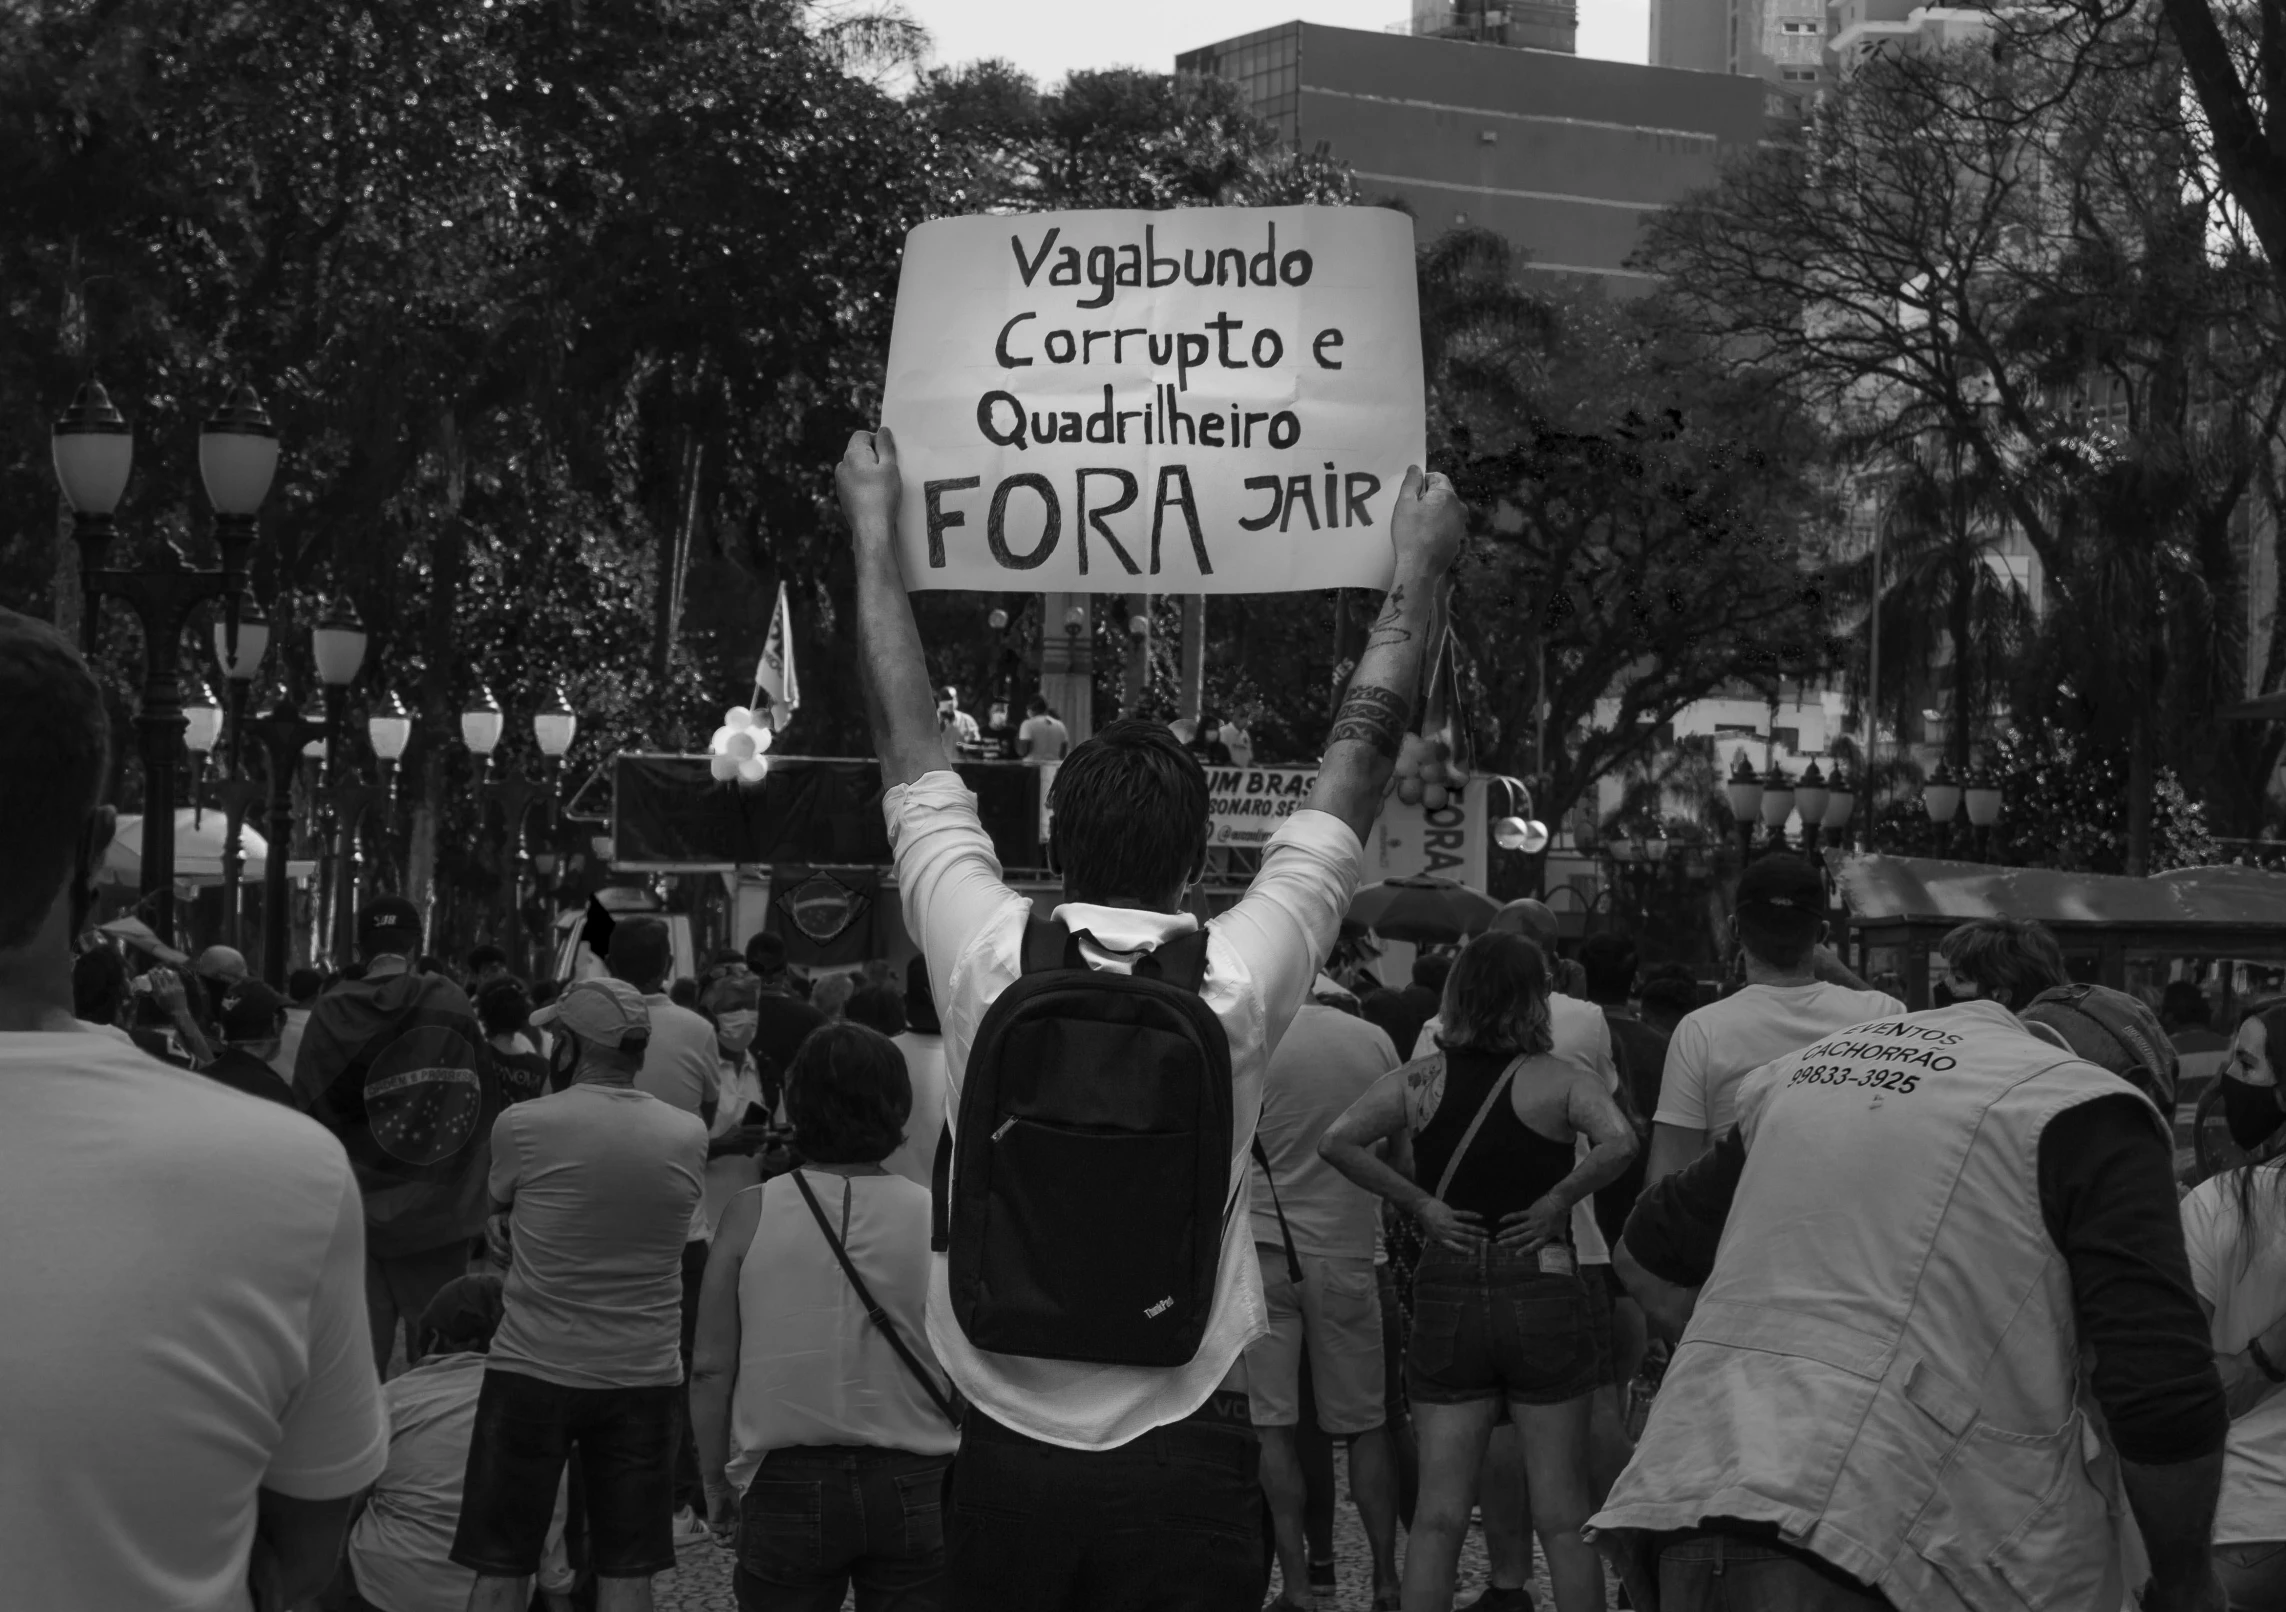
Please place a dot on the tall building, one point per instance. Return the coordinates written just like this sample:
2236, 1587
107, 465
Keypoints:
1565, 157
1781, 42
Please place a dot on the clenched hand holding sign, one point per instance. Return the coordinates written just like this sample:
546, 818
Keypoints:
1217, 400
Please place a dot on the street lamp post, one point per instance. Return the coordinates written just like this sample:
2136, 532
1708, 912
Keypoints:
337, 645
554, 726
94, 452
1744, 793
1941, 799
281, 733
388, 729
240, 661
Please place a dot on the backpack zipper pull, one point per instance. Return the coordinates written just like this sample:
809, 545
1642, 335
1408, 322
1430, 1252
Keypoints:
1004, 1125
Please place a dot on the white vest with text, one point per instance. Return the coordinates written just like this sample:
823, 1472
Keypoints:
1884, 1362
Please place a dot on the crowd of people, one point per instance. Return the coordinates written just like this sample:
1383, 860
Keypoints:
1054, 1273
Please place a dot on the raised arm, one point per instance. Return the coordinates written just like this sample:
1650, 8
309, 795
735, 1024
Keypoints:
896, 675
714, 1357
1425, 528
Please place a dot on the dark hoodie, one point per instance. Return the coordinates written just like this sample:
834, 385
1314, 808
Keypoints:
398, 1069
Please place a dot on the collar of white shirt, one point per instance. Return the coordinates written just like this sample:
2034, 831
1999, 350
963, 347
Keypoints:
1112, 938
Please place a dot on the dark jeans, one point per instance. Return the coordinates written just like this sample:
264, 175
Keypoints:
823, 1517
399, 1288
1710, 1572
1168, 1522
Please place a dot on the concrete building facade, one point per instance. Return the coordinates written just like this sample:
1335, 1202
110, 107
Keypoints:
1565, 157
1781, 42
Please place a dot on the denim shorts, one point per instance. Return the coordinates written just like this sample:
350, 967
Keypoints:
1494, 1326
526, 1428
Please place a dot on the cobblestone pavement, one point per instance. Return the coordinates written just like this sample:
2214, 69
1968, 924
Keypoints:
701, 1580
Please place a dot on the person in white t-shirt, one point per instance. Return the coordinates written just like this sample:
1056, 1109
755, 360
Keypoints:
1075, 1476
2234, 1229
1043, 737
399, 1546
188, 1403
1778, 921
890, 1012
1328, 1060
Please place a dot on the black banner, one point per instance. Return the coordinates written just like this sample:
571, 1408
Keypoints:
669, 812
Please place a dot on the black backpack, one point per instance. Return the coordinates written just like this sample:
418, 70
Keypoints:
1083, 1203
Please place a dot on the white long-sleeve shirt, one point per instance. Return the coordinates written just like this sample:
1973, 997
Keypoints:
1261, 958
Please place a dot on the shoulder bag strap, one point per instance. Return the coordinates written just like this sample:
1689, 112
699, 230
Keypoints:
940, 1193
880, 1317
1285, 1232
1483, 1113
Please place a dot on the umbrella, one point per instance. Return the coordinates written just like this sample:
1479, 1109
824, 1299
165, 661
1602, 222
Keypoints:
1422, 909
198, 851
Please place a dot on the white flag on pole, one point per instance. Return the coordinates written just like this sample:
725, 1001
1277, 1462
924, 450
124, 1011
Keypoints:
774, 675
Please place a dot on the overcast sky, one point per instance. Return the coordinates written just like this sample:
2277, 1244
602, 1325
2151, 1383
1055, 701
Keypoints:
1048, 38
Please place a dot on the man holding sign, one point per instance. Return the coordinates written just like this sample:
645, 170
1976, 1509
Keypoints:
1087, 1480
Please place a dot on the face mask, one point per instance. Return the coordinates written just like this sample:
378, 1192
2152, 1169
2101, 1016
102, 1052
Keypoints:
2251, 1112
735, 1030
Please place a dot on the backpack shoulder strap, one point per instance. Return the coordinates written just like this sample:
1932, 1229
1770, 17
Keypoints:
1048, 945
940, 1193
1182, 961
879, 1317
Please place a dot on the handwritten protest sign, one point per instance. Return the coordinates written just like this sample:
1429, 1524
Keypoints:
1209, 400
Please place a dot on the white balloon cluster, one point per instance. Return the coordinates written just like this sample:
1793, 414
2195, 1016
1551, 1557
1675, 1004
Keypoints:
740, 748
1427, 775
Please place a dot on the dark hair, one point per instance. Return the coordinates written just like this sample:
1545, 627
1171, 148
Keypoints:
641, 952
684, 992
2183, 1002
920, 1001
1397, 1018
1609, 963
2246, 1179
98, 985
55, 746
1130, 814
1671, 988
502, 1005
1496, 999
766, 953
2012, 960
1775, 938
1037, 704
1431, 969
877, 1007
545, 991
483, 957
848, 1096
303, 985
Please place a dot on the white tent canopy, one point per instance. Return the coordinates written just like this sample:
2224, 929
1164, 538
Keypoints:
198, 851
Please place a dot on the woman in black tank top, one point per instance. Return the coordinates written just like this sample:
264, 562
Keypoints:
1499, 1312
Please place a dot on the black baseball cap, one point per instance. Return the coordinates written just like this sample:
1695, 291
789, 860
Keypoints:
251, 1012
389, 923
1779, 888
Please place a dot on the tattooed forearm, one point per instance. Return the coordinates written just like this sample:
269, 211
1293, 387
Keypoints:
1371, 716
1389, 629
